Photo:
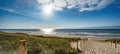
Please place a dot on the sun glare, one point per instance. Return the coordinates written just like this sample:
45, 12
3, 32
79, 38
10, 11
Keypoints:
48, 9
47, 31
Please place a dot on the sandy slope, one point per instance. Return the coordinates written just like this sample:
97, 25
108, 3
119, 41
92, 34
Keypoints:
92, 46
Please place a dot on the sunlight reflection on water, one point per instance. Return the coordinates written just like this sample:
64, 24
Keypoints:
47, 31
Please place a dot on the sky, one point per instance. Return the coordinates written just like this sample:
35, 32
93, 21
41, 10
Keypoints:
30, 14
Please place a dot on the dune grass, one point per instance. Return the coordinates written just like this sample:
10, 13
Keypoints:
9, 44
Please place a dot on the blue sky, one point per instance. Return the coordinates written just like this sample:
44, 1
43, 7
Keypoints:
22, 14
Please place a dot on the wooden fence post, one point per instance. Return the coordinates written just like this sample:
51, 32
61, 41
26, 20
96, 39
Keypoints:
115, 44
111, 42
68, 45
23, 47
77, 45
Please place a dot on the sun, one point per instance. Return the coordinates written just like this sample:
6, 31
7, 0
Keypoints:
48, 9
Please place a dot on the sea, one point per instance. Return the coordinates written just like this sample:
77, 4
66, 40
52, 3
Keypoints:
114, 33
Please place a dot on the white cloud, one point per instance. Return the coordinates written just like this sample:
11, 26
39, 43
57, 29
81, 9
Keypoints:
81, 5
59, 3
44, 1
71, 4
17, 12
9, 10
58, 8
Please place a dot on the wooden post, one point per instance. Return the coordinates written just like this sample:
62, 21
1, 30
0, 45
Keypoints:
23, 47
111, 42
115, 44
77, 46
81, 44
68, 45
84, 40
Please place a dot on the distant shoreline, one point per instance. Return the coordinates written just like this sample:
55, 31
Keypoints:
69, 36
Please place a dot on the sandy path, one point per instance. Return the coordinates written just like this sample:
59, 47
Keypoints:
96, 47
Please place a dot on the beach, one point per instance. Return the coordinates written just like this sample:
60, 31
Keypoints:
97, 46
59, 26
58, 44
